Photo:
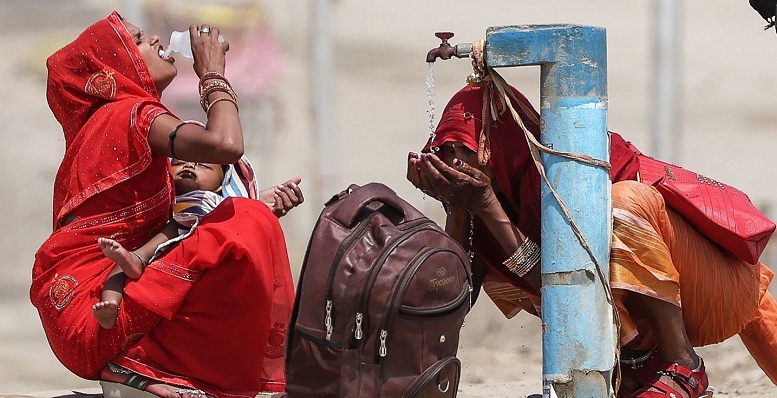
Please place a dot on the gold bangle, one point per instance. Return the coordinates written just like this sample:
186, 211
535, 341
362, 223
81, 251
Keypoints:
212, 75
237, 108
212, 84
210, 88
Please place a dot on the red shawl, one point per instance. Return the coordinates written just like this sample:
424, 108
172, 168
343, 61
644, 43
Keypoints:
100, 83
211, 313
512, 165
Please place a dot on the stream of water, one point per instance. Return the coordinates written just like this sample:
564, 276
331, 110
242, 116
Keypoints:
430, 96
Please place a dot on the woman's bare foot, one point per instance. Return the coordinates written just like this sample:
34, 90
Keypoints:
129, 262
105, 312
118, 374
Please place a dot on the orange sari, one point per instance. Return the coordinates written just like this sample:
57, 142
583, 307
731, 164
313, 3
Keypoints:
655, 252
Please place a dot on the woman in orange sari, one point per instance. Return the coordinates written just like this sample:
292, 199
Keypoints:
209, 316
674, 289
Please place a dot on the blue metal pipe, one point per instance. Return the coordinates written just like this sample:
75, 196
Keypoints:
579, 338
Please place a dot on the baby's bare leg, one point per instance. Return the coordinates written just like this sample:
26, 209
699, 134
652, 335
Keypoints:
106, 310
129, 262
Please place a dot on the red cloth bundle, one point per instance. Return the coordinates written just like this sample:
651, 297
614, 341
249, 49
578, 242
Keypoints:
721, 212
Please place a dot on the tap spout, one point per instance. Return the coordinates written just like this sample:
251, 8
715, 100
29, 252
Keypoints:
446, 51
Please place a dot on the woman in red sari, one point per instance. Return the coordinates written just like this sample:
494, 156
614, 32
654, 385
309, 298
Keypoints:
673, 288
210, 315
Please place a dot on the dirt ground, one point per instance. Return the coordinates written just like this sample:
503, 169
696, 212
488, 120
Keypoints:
378, 113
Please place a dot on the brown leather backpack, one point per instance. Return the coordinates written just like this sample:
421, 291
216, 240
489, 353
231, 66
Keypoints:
380, 302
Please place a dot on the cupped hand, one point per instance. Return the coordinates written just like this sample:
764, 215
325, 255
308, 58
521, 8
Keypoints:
461, 186
284, 197
209, 54
418, 178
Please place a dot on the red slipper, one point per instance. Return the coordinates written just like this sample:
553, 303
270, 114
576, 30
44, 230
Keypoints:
693, 382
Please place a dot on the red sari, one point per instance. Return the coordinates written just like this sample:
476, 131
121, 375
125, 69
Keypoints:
211, 313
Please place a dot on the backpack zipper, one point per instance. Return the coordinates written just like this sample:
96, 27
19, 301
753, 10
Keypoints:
382, 349
328, 320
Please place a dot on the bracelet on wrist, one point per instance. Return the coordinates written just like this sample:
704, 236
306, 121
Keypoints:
212, 75
524, 259
213, 86
210, 105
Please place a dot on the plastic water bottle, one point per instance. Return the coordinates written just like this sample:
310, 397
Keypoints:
181, 43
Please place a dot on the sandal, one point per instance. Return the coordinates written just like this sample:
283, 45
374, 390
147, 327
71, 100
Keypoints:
135, 386
117, 390
693, 382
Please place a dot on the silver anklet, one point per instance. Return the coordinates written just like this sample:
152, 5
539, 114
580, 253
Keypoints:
118, 369
638, 362
182, 392
142, 262
699, 366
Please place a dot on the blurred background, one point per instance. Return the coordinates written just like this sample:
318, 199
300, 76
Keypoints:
334, 91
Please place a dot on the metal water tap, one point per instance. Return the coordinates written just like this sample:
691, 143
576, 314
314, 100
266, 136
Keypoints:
446, 51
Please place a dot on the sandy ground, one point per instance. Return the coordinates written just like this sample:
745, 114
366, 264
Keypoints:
378, 110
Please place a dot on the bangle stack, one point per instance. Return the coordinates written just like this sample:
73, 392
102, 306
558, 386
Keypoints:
212, 82
524, 259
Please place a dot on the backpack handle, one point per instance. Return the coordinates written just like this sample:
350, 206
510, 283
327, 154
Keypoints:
349, 208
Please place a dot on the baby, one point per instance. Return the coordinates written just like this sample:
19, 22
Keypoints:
198, 191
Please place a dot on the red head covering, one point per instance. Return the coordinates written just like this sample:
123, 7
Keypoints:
97, 83
510, 160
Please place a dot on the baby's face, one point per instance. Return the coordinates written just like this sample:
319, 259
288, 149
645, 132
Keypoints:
191, 176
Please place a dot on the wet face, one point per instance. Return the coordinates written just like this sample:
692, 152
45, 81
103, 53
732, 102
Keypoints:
162, 69
190, 176
450, 151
